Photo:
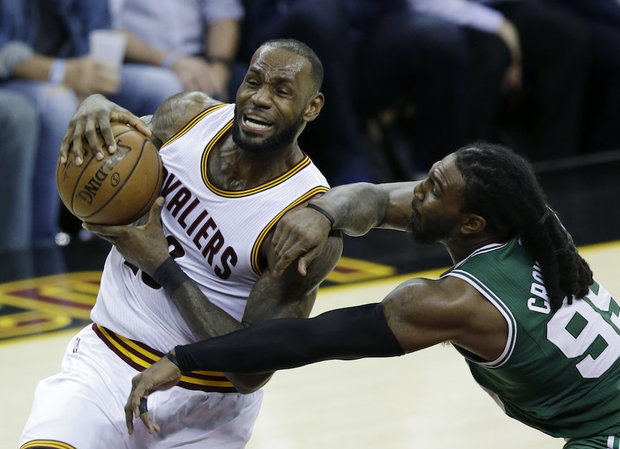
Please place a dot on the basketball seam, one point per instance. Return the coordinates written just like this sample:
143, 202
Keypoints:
122, 185
77, 181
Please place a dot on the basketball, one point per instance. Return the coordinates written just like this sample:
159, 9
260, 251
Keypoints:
118, 189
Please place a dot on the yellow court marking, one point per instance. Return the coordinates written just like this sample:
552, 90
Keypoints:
46, 304
353, 270
71, 294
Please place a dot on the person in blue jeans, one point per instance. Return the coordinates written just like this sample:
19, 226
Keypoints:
20, 127
44, 50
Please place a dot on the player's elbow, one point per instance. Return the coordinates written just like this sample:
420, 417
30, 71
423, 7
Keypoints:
248, 383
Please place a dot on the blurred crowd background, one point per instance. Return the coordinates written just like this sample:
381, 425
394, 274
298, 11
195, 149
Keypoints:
406, 81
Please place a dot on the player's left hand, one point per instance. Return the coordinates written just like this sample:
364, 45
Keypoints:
91, 120
145, 246
301, 233
161, 375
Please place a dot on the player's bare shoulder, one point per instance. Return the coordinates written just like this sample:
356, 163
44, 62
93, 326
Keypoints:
174, 113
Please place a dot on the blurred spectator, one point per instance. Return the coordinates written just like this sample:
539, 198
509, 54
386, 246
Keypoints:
20, 127
334, 141
539, 96
602, 21
410, 76
24, 71
193, 43
43, 56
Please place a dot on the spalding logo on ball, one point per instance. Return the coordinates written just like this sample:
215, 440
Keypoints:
118, 189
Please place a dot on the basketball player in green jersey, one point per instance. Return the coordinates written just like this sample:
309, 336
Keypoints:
519, 304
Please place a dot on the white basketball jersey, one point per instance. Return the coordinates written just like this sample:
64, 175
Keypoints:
214, 235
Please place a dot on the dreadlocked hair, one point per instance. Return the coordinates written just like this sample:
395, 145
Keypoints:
501, 187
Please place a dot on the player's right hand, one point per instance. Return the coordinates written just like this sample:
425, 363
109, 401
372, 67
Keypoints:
143, 245
301, 233
91, 120
161, 375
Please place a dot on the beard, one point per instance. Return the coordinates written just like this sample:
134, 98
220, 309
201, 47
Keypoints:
419, 233
271, 144
429, 231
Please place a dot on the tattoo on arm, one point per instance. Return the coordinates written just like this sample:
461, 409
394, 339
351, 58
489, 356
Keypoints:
287, 296
290, 295
174, 113
356, 208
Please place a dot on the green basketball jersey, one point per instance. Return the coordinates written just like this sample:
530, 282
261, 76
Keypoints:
559, 372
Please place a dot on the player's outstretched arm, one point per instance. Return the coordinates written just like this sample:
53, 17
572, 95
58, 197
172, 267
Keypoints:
417, 314
353, 209
289, 295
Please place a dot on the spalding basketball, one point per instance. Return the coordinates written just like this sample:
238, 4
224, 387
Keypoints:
118, 189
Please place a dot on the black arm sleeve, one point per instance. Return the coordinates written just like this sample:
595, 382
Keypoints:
345, 334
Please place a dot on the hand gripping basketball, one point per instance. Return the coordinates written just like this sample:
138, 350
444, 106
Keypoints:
117, 189
144, 246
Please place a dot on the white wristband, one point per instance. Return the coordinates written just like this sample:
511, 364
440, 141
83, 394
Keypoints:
57, 71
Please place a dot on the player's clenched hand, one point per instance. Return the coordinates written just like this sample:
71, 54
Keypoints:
162, 375
145, 246
301, 233
91, 120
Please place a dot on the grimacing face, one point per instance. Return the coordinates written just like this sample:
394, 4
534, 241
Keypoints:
437, 203
270, 103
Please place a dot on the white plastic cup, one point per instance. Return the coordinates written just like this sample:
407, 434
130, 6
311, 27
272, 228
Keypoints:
108, 46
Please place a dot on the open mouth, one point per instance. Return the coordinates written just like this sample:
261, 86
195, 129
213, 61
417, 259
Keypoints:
256, 124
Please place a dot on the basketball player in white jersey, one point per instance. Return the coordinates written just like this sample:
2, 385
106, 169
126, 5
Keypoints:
231, 171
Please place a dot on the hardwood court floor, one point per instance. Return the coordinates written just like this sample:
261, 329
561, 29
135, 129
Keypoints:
424, 400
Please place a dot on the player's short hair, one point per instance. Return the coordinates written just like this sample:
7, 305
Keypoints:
305, 51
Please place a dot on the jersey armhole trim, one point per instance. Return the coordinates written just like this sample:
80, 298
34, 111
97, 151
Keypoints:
501, 307
261, 237
35, 444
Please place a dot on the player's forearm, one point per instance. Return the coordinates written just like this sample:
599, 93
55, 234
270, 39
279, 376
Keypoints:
36, 68
344, 334
205, 319
355, 208
222, 41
